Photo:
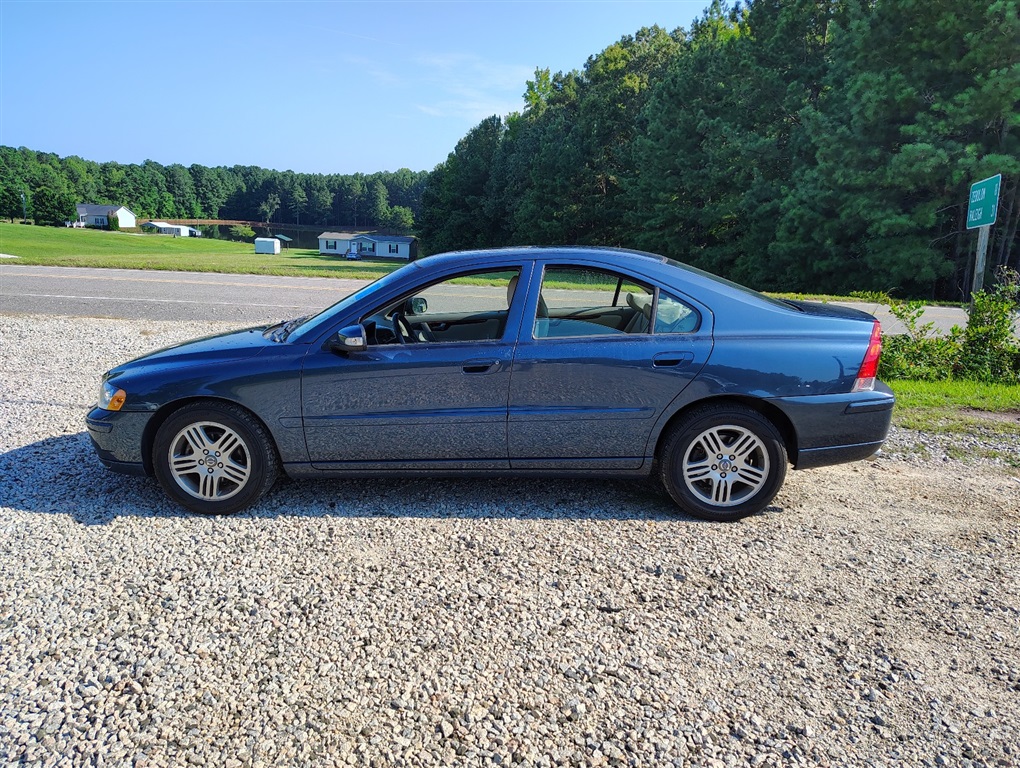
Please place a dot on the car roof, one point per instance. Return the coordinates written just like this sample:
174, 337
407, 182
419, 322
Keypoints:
651, 265
572, 252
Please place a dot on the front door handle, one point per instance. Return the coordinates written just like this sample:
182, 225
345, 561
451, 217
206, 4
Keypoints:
672, 359
480, 366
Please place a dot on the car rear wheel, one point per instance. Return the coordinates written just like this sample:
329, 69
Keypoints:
214, 458
723, 462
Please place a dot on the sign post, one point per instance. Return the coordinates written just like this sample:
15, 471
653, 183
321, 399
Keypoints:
981, 213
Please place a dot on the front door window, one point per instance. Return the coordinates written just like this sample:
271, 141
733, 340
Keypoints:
469, 307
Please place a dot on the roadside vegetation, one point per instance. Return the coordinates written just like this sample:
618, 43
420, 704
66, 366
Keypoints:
986, 350
966, 382
957, 406
963, 409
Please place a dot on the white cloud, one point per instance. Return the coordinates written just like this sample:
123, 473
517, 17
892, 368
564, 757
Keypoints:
469, 87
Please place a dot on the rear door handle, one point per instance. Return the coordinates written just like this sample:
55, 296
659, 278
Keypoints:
672, 359
480, 366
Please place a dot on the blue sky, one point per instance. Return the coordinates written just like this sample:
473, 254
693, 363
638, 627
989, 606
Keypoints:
317, 87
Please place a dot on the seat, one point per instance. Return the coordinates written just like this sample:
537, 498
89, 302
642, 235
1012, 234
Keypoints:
542, 320
642, 306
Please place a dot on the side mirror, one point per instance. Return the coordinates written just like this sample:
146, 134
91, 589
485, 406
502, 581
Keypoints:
350, 339
416, 305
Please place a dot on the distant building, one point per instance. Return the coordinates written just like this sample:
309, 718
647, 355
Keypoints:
267, 245
178, 230
368, 246
99, 215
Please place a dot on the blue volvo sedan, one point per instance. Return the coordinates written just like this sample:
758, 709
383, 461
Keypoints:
525, 361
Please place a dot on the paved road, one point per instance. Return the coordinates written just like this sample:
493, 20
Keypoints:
247, 299
151, 295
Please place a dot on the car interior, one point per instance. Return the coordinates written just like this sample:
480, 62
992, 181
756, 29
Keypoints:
573, 302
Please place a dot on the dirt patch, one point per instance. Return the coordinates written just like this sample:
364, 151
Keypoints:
1004, 417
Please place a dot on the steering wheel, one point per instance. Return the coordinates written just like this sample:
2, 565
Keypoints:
402, 329
406, 334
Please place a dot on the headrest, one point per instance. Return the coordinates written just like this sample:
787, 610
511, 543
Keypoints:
641, 302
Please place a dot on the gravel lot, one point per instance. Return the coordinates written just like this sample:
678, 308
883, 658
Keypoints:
870, 617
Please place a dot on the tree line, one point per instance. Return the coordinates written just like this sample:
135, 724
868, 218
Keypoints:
794, 145
53, 185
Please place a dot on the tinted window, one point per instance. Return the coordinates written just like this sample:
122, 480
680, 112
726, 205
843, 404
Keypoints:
589, 302
674, 316
466, 307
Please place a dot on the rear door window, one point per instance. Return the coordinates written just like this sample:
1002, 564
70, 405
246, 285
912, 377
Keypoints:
579, 301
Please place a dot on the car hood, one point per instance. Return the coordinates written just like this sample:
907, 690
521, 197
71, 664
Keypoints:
223, 347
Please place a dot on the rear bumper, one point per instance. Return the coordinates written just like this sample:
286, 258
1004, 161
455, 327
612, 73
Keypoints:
834, 429
840, 454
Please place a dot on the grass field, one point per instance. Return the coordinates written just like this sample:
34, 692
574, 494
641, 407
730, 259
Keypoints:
959, 408
64, 247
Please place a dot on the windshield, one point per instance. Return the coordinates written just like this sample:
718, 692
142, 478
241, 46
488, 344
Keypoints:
309, 326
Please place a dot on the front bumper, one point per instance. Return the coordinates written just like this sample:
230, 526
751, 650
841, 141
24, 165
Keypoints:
117, 437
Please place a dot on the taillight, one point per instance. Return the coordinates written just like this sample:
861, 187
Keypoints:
869, 368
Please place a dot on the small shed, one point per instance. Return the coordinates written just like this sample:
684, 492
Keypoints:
284, 239
267, 245
177, 230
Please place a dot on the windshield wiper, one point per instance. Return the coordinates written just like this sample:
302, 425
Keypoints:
270, 331
282, 330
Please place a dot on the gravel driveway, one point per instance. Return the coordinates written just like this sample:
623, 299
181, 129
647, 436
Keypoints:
870, 617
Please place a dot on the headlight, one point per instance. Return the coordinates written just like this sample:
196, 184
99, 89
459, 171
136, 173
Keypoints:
111, 398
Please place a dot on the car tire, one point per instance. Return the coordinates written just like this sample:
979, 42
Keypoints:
723, 462
214, 458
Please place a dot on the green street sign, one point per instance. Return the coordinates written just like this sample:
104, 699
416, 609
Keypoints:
984, 202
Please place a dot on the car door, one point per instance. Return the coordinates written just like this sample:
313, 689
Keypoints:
606, 355
427, 400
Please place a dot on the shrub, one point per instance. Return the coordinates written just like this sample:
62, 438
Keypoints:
113, 223
928, 359
920, 353
242, 231
986, 350
990, 351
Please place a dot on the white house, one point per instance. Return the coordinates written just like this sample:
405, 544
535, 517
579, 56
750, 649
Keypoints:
368, 246
177, 230
335, 243
99, 215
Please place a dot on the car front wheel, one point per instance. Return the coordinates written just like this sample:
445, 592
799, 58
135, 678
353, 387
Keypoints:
214, 458
723, 462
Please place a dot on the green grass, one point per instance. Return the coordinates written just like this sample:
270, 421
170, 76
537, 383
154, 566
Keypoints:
957, 407
63, 247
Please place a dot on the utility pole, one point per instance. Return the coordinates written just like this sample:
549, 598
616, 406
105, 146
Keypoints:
24, 213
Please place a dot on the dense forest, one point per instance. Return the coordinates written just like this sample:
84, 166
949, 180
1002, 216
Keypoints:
798, 145
52, 185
